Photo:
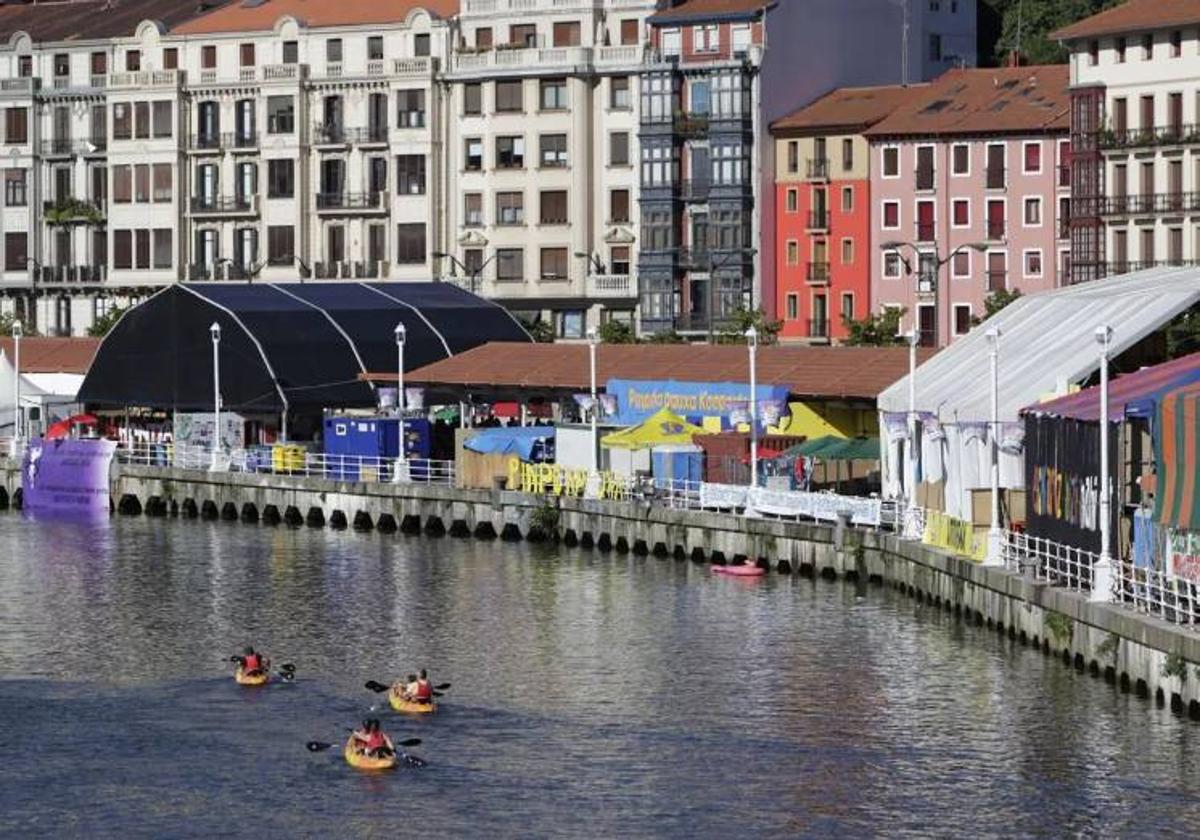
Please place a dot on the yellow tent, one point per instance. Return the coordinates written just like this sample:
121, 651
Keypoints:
663, 428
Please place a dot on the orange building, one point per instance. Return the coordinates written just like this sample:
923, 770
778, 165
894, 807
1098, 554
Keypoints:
823, 211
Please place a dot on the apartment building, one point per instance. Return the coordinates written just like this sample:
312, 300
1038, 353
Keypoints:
823, 211
1135, 108
970, 195
541, 176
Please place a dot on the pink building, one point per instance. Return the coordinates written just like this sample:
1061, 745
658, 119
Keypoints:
970, 179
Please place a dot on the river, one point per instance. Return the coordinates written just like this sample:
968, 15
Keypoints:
592, 696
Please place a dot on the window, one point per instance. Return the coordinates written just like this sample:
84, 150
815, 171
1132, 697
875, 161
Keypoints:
473, 158
1120, 50
847, 252
891, 265
793, 157
961, 213
792, 202
122, 184
281, 115
141, 120
553, 150
510, 208
16, 126
618, 148
208, 57
133, 61
483, 37
15, 190
935, 47
554, 207
1176, 43
62, 65
508, 97
672, 42
122, 121
15, 251
730, 163
1064, 217
891, 162
925, 168
473, 210
1147, 46
554, 264
629, 31
291, 52
619, 259
618, 93
162, 177
410, 108
847, 199
281, 178
961, 159
891, 215
847, 155
793, 252
473, 99
510, 152
122, 249
162, 245
1033, 263
333, 50
1093, 53
141, 183
421, 44
569, 323
510, 264
410, 243
618, 206
706, 38
566, 33
962, 318
1033, 158
375, 48
100, 63
246, 55
1033, 212
847, 311
410, 174
25, 66
960, 266
162, 118
553, 94
793, 306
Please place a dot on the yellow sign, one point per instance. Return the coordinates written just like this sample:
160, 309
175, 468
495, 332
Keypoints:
954, 535
553, 480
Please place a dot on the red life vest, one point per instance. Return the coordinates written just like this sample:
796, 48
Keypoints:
375, 740
253, 663
424, 691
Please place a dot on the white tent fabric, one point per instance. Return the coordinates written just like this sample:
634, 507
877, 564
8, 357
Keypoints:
1047, 344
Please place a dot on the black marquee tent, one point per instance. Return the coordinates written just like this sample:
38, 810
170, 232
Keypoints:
299, 346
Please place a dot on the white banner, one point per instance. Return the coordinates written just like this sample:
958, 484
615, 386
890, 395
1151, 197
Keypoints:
722, 496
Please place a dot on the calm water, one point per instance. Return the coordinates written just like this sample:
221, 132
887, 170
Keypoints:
593, 696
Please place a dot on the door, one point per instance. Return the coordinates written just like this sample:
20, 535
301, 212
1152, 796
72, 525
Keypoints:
245, 122
246, 247
62, 184
206, 251
62, 248
336, 252
378, 116
333, 118
927, 325
209, 128
924, 167
206, 181
819, 328
925, 232
377, 181
332, 180
62, 128
247, 183
995, 167
376, 247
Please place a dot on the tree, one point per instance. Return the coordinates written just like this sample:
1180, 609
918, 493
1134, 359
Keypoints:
107, 321
743, 319
6, 325
879, 330
617, 332
540, 331
996, 301
1023, 25
1183, 334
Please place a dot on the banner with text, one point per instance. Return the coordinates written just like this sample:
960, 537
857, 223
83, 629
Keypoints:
637, 400
67, 477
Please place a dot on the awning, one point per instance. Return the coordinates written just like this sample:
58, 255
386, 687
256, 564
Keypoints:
1177, 437
1133, 394
518, 440
664, 427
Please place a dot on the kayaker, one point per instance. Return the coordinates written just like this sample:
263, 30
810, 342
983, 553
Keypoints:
371, 740
408, 688
423, 689
251, 661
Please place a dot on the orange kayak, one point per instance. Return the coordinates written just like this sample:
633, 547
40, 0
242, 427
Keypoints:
362, 761
409, 706
254, 679
739, 571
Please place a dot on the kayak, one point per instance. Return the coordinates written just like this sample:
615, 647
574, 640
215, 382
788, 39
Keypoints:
362, 761
408, 706
257, 678
740, 571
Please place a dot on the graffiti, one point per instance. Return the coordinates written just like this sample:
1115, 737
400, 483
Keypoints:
1068, 498
553, 480
1183, 548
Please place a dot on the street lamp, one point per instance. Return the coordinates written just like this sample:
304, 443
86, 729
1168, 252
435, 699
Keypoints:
752, 345
215, 332
1102, 575
472, 274
402, 457
16, 334
593, 342
910, 460
724, 260
995, 556
307, 271
593, 261
895, 246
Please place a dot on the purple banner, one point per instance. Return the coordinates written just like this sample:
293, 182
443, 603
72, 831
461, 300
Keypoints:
67, 477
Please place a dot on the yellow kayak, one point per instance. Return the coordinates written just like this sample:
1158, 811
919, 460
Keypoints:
257, 678
409, 706
362, 761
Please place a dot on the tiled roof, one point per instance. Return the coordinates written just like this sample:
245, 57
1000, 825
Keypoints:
854, 108
1134, 16
712, 9
833, 372
1003, 100
80, 20
41, 354
237, 17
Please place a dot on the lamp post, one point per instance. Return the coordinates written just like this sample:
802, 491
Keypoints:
1102, 574
724, 260
895, 246
215, 332
593, 342
910, 459
472, 274
752, 346
402, 456
16, 334
995, 554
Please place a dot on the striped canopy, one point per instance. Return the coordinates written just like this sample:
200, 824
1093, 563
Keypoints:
1178, 439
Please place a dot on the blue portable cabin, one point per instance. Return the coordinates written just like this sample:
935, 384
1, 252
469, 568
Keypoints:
352, 443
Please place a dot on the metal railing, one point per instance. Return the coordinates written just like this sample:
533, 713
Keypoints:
350, 201
1047, 561
817, 169
818, 220
817, 273
73, 274
1144, 204
1168, 135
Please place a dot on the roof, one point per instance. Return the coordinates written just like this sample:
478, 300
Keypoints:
41, 354
711, 10
1134, 16
830, 372
82, 20
238, 17
1123, 390
304, 344
999, 100
1047, 343
854, 108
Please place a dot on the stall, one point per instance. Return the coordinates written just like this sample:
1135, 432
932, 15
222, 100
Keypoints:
664, 428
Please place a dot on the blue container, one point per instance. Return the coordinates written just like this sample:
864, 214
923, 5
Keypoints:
355, 444
668, 465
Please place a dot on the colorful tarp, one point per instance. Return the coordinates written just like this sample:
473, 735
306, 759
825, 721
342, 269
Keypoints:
663, 427
1177, 439
1132, 394
833, 448
522, 441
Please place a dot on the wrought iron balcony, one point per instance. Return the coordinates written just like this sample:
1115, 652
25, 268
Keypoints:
236, 205
1180, 134
344, 202
1148, 204
229, 141
72, 275
817, 273
817, 169
818, 220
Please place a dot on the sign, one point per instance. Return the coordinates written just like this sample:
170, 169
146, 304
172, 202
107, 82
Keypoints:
67, 477
1183, 553
194, 430
553, 480
637, 399
953, 535
823, 507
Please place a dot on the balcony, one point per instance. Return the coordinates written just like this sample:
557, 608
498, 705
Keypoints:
1150, 204
995, 178
141, 79
240, 205
818, 328
510, 58
329, 135
65, 147
818, 220
372, 135
73, 211
351, 270
695, 190
690, 125
611, 286
1180, 134
22, 85
924, 178
345, 203
246, 141
72, 275
997, 280
817, 274
284, 72
817, 169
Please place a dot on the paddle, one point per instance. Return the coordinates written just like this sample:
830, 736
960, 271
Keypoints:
379, 687
318, 746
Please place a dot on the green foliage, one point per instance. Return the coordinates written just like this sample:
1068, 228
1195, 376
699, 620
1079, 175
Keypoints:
617, 332
1060, 627
743, 319
540, 331
1004, 25
1175, 666
1109, 647
6, 325
666, 337
107, 321
545, 518
1183, 334
996, 301
72, 211
878, 330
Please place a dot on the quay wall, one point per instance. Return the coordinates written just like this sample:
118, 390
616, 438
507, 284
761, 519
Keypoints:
1133, 651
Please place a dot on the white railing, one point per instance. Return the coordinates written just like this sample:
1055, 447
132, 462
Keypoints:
760, 502
612, 285
1048, 561
1157, 593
